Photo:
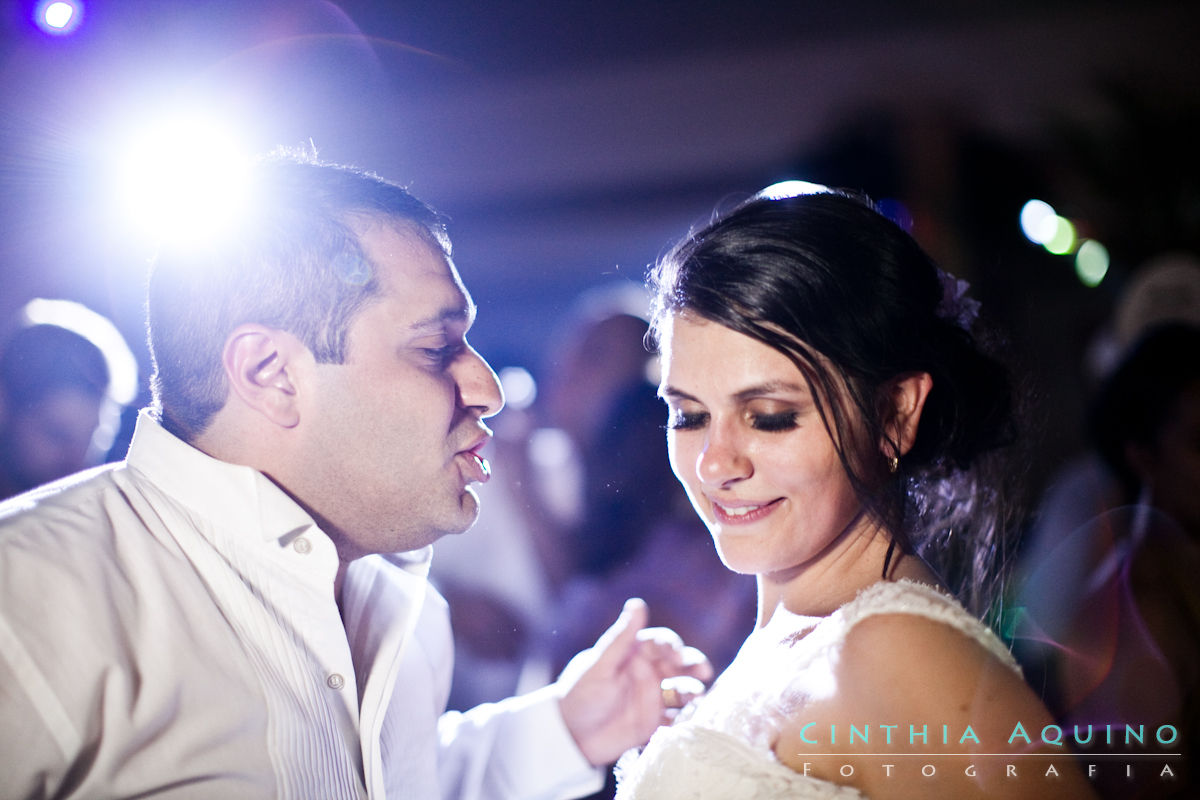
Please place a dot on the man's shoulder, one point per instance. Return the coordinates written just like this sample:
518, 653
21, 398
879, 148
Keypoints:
66, 529
80, 563
60, 503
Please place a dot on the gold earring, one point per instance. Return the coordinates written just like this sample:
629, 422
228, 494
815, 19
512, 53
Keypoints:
893, 464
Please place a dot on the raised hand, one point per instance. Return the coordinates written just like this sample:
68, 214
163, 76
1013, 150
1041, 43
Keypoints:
613, 692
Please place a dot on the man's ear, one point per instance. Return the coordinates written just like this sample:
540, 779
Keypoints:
906, 400
259, 362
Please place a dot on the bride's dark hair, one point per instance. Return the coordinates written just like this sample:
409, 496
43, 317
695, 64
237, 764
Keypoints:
853, 301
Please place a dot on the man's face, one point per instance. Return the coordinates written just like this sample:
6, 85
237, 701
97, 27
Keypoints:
393, 434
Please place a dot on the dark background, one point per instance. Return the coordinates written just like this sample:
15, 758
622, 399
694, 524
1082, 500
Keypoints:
570, 143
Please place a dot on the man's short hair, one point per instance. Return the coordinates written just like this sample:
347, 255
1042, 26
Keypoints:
295, 264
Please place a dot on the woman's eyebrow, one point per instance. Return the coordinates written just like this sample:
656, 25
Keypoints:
671, 393
769, 388
749, 393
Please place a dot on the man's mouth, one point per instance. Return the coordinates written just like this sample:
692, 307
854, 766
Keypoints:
475, 467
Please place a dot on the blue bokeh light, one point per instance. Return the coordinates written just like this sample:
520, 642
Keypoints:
57, 17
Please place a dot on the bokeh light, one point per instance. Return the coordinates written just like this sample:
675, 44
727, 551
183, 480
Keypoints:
1064, 240
1039, 221
58, 17
520, 389
1091, 262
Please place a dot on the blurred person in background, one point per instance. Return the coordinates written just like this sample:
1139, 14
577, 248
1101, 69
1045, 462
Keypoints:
504, 584
65, 375
1165, 289
1111, 606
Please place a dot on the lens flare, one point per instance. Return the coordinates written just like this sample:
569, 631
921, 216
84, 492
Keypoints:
184, 178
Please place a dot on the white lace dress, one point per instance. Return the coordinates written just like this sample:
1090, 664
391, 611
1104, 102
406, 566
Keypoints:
721, 746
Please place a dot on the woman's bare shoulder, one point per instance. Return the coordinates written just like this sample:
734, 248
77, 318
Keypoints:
910, 690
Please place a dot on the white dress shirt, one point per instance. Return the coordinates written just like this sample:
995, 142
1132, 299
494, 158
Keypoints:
168, 627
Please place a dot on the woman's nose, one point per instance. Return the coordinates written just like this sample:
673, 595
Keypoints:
722, 461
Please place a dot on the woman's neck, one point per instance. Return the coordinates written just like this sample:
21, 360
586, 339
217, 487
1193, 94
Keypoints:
852, 562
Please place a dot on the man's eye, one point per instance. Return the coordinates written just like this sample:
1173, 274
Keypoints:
442, 356
683, 421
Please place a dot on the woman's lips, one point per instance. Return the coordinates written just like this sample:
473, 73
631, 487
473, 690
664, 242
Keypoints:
742, 512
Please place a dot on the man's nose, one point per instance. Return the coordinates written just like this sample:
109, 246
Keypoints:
478, 387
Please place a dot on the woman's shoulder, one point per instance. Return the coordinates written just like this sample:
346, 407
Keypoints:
912, 672
894, 608
909, 649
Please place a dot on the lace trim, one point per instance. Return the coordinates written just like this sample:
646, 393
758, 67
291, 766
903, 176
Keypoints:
687, 762
909, 597
720, 746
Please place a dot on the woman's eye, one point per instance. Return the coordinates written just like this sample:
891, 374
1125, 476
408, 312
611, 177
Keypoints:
771, 423
683, 421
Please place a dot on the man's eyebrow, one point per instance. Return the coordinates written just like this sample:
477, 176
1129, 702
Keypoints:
464, 314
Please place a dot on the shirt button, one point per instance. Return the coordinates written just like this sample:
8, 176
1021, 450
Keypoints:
302, 546
335, 681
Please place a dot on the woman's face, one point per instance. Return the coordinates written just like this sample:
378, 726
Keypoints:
747, 442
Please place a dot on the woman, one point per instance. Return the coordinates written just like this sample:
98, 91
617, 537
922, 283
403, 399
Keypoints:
828, 415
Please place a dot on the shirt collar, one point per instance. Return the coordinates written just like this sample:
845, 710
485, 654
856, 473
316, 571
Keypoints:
230, 495
234, 495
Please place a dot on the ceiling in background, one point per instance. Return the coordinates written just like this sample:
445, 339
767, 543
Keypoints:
568, 142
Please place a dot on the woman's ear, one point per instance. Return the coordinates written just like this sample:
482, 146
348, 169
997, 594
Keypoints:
906, 400
258, 361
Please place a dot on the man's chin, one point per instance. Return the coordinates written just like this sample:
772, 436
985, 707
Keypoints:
469, 507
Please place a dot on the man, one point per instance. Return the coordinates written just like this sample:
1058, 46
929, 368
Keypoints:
240, 608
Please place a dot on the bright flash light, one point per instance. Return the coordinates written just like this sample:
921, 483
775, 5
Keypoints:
1039, 221
58, 17
184, 179
1091, 263
786, 189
